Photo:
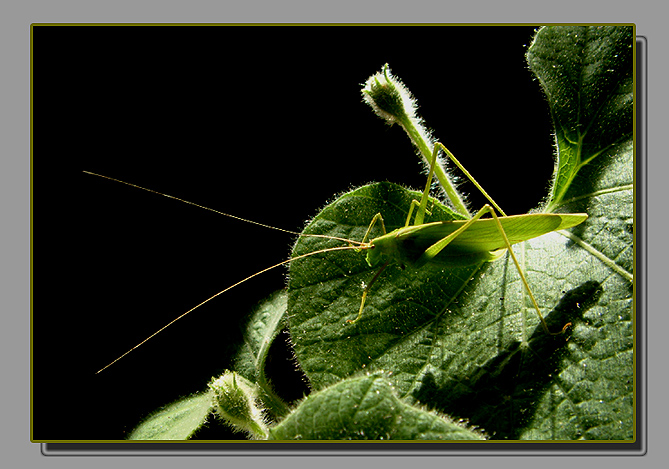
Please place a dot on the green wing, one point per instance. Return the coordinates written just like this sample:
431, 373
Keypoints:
483, 236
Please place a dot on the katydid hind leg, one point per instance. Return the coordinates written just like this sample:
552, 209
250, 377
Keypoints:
431, 252
522, 277
450, 155
489, 209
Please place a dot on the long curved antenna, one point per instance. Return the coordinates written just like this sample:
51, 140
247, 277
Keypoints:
340, 248
352, 244
350, 241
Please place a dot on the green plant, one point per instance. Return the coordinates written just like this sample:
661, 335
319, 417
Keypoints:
462, 341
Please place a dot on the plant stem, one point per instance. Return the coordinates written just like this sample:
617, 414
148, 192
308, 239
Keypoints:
426, 149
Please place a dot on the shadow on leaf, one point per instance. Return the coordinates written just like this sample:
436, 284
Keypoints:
501, 396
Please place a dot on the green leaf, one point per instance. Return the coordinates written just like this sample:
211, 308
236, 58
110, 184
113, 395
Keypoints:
365, 408
176, 421
262, 328
263, 325
465, 340
587, 75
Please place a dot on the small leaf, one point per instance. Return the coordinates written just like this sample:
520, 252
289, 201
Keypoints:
176, 421
365, 408
262, 328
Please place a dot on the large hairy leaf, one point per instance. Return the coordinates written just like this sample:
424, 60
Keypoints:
465, 340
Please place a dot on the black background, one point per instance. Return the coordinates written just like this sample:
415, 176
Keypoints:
263, 122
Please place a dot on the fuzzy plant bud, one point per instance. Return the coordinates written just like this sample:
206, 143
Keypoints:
388, 97
393, 102
236, 402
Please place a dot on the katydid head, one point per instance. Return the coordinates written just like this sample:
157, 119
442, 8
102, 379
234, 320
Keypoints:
403, 250
383, 249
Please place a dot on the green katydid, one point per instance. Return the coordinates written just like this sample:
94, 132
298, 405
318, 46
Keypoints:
458, 242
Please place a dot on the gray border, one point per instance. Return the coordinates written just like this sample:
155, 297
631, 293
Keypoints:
15, 199
430, 449
641, 220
